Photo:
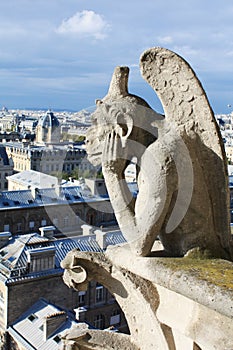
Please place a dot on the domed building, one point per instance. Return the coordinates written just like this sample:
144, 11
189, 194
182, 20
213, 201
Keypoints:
48, 129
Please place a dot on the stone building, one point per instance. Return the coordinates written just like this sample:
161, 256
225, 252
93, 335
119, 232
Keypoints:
6, 168
47, 154
47, 159
66, 208
41, 327
30, 269
48, 129
29, 179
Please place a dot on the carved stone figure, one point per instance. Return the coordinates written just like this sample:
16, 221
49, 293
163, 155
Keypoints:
169, 303
181, 165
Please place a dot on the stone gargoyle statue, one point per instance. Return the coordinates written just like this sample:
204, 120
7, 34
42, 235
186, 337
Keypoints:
181, 166
182, 199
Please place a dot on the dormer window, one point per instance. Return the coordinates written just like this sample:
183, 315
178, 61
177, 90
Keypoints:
41, 259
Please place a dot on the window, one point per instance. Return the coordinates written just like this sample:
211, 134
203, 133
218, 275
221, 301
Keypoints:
31, 224
43, 222
99, 294
57, 339
81, 298
55, 221
99, 321
66, 221
32, 317
6, 228
19, 227
115, 317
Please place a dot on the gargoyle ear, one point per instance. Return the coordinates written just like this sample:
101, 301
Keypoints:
124, 127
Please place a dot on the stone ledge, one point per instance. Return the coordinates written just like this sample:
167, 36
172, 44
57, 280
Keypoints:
206, 281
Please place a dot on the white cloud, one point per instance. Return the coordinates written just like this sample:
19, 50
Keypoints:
165, 40
85, 23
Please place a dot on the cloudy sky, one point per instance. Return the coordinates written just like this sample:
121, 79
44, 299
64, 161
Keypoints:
60, 54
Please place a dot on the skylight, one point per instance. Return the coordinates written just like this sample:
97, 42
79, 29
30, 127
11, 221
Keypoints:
32, 317
57, 339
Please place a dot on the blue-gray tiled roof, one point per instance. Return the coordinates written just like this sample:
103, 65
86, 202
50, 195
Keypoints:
14, 260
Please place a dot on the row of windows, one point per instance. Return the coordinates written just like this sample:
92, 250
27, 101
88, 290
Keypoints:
59, 221
100, 296
99, 319
19, 225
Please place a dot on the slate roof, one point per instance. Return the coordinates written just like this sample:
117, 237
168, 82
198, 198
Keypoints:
13, 256
33, 178
25, 198
48, 120
30, 333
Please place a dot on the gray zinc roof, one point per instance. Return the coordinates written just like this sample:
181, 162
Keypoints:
69, 194
34, 178
28, 329
14, 260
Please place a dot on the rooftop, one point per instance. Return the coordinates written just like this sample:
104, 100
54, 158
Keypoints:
14, 255
45, 196
29, 329
34, 179
48, 120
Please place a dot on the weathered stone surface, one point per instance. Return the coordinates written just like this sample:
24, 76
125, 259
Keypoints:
167, 305
182, 178
170, 303
97, 340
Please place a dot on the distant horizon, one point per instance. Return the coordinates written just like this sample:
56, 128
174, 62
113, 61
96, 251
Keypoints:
44, 109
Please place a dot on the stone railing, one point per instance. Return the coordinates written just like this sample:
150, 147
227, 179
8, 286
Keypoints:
169, 303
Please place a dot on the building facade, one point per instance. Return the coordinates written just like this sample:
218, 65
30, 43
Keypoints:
30, 269
6, 168
48, 129
66, 208
47, 159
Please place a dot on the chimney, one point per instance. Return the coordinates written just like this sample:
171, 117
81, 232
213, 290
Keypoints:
53, 322
47, 231
87, 230
80, 314
100, 237
58, 189
34, 191
4, 238
97, 187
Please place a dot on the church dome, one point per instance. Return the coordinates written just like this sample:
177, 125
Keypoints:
48, 121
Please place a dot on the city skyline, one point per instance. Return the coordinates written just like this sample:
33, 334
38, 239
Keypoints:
62, 57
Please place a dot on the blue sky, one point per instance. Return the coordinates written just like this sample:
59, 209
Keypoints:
60, 54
